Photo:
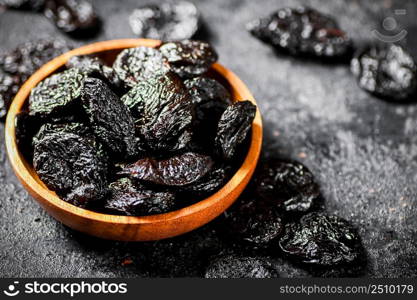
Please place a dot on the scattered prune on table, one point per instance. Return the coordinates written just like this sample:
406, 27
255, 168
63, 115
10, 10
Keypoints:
128, 199
387, 71
109, 118
189, 58
35, 5
134, 65
179, 170
163, 110
169, 21
56, 93
302, 31
70, 165
9, 85
28, 57
253, 223
231, 266
72, 16
287, 184
321, 240
234, 125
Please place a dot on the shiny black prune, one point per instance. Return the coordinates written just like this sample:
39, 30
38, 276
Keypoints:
128, 199
322, 240
208, 184
233, 127
302, 31
169, 21
9, 85
56, 93
51, 128
70, 165
35, 5
232, 266
72, 16
28, 57
189, 58
253, 223
135, 65
387, 71
288, 185
179, 170
163, 110
109, 118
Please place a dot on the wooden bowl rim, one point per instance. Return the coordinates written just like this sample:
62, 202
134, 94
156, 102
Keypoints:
51, 198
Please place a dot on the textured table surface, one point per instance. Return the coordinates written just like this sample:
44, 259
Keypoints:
362, 150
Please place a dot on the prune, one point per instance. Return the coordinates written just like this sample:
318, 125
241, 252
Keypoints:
178, 170
321, 240
72, 16
56, 93
127, 199
9, 85
69, 165
287, 184
302, 31
232, 266
27, 58
386, 71
253, 223
23, 4
234, 125
208, 184
189, 58
167, 21
138, 64
26, 126
163, 110
50, 128
109, 118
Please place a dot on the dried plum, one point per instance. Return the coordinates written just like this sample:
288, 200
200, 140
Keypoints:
51, 128
253, 223
302, 31
70, 165
386, 71
72, 16
189, 58
178, 170
138, 64
128, 199
163, 110
287, 184
26, 126
208, 184
234, 125
109, 118
232, 266
9, 85
321, 240
169, 21
35, 5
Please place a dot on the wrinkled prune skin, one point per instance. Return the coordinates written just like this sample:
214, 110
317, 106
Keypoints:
233, 127
169, 21
302, 31
69, 165
109, 118
209, 184
35, 5
179, 170
51, 128
126, 198
28, 57
232, 266
9, 85
386, 71
322, 240
253, 223
72, 16
288, 185
189, 58
163, 112
134, 65
56, 93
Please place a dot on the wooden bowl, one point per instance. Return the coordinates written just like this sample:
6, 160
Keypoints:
126, 228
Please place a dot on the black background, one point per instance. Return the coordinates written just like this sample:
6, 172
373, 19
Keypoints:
362, 150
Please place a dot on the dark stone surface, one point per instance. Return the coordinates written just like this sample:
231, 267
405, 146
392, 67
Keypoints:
362, 150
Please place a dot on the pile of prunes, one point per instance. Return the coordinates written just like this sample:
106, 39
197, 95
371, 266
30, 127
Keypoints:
145, 136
